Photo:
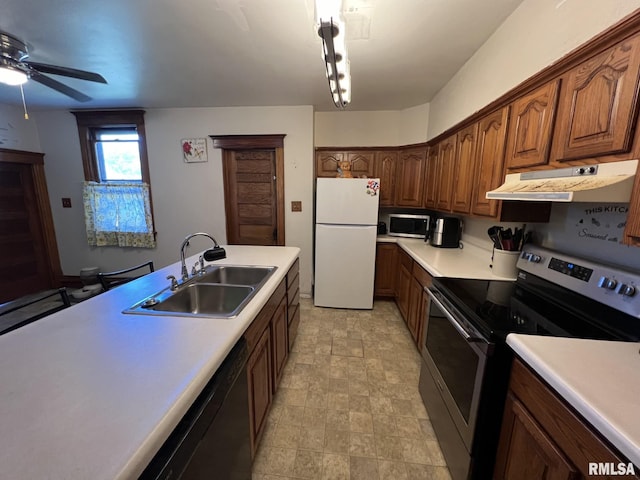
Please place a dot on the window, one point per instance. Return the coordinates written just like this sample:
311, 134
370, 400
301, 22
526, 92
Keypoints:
116, 192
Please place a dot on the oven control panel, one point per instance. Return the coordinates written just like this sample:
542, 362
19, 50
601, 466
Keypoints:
571, 269
615, 287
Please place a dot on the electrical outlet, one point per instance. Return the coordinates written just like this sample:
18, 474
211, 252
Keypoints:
296, 206
66, 202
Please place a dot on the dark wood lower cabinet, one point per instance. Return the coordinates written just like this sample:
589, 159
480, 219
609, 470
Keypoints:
260, 382
280, 335
269, 339
532, 454
543, 438
411, 298
386, 261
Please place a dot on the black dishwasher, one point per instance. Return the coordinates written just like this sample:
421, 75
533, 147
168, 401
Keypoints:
212, 439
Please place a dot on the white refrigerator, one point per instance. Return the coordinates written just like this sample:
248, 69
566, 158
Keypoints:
346, 228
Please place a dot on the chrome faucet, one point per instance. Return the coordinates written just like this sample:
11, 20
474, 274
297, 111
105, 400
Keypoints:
184, 272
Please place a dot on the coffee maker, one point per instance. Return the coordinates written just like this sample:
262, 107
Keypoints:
445, 232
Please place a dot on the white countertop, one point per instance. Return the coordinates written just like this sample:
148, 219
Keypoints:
600, 379
468, 262
91, 393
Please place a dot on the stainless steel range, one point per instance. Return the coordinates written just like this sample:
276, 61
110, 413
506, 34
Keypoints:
466, 362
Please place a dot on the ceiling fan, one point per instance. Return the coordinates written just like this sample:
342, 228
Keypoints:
15, 69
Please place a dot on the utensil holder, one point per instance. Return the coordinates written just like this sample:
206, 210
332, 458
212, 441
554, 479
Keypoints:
503, 263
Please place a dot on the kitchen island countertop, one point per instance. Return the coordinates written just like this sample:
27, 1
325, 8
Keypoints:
468, 262
600, 379
92, 393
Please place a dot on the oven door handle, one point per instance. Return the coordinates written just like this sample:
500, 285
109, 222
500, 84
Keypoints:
461, 330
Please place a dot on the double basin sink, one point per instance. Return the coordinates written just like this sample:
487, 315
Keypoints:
220, 291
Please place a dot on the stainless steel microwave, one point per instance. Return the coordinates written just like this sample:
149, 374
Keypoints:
408, 225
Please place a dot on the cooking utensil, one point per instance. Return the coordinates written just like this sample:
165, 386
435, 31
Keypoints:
494, 235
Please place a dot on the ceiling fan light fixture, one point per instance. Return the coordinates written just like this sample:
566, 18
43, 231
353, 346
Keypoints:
12, 76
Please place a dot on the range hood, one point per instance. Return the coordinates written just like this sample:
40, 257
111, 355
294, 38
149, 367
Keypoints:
605, 182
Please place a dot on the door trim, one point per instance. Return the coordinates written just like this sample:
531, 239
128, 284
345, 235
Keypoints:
36, 161
248, 142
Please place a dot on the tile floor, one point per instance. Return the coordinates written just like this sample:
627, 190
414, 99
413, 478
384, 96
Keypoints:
348, 405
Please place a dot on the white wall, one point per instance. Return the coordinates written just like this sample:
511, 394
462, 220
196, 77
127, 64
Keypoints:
186, 197
371, 129
536, 34
16, 132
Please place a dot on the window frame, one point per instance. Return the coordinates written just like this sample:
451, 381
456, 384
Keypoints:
89, 121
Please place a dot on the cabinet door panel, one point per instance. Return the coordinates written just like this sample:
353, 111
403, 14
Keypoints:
327, 163
259, 379
431, 180
464, 169
530, 453
599, 104
410, 187
385, 280
530, 127
489, 161
385, 170
446, 161
361, 163
280, 342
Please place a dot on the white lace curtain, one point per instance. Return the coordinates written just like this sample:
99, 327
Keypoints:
118, 214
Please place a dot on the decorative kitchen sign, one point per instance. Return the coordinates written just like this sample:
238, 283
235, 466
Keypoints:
601, 222
194, 150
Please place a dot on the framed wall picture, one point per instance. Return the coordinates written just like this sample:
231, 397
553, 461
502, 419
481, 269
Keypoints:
194, 150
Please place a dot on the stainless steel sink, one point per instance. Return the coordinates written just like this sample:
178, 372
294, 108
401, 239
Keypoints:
220, 292
232, 275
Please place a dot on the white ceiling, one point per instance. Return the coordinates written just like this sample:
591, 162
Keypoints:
213, 53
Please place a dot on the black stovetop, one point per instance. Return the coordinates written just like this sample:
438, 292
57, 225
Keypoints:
533, 305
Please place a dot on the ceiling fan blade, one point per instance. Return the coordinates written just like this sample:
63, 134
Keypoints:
67, 72
60, 87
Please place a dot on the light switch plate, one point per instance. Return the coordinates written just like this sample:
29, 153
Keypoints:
296, 206
66, 202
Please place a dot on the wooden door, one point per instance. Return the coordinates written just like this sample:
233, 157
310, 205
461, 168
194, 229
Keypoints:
431, 180
23, 263
327, 163
492, 131
260, 383
531, 126
361, 163
598, 106
385, 170
250, 197
280, 341
410, 187
253, 172
446, 161
526, 452
385, 279
464, 169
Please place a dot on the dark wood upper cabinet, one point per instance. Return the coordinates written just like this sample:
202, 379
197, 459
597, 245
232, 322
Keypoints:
385, 165
598, 105
446, 162
410, 186
361, 163
492, 131
327, 163
531, 125
464, 169
431, 178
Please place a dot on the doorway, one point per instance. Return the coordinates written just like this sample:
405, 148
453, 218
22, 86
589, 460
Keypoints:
253, 173
29, 259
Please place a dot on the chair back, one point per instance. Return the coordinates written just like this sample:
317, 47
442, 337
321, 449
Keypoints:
111, 280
